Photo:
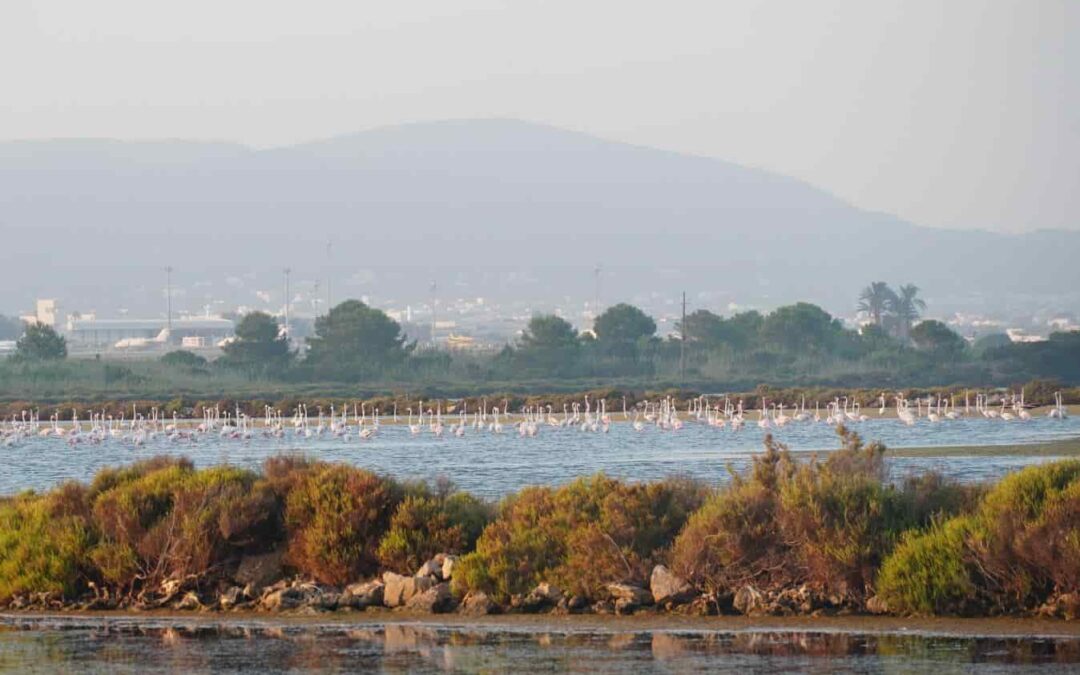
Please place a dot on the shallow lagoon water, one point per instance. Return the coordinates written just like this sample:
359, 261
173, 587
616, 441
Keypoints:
495, 464
492, 465
147, 646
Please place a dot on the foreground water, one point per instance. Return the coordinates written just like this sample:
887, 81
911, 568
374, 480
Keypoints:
495, 464
146, 646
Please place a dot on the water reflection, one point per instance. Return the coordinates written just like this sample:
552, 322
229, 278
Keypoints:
130, 646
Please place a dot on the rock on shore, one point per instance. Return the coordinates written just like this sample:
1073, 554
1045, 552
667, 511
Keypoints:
400, 589
667, 588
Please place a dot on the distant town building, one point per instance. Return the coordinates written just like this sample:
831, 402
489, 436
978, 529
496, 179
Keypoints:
1019, 335
105, 333
1062, 324
460, 342
45, 311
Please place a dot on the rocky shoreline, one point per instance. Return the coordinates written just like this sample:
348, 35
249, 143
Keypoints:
787, 538
428, 591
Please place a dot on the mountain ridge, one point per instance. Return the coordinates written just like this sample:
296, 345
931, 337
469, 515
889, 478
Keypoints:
466, 194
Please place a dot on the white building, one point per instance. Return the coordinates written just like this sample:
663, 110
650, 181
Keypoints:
1019, 335
45, 311
104, 333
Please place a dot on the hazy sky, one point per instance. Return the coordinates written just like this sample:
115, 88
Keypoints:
946, 112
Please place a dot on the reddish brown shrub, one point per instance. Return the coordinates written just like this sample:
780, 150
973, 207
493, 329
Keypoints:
828, 524
335, 517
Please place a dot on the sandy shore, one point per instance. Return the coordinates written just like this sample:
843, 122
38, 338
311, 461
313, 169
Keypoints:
1069, 447
451, 417
586, 623
1064, 448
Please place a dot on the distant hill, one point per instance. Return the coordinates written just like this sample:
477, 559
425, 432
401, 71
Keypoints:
492, 207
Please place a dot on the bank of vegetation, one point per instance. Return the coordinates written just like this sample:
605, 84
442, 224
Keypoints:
511, 398
789, 536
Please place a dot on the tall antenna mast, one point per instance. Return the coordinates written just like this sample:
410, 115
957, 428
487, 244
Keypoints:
168, 298
434, 303
596, 296
288, 300
328, 263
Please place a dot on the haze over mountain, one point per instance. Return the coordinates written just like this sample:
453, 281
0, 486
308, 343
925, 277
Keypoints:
494, 208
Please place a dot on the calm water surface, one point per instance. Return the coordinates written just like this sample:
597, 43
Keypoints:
495, 464
119, 646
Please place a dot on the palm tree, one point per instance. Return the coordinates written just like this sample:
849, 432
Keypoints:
909, 307
876, 300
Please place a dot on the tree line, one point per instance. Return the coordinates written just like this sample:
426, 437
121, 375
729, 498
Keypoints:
799, 343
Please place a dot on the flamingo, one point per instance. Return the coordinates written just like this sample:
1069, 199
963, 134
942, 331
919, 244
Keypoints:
763, 420
1021, 411
1058, 411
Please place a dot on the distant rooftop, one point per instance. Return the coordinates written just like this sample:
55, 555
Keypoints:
137, 324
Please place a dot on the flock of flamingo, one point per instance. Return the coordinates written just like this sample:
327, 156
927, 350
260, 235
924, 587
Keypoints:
586, 416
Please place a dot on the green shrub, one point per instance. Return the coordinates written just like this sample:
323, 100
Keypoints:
116, 564
418, 530
215, 514
110, 477
469, 513
176, 522
929, 572
1013, 553
634, 527
581, 536
181, 358
1050, 545
524, 541
841, 525
1024, 494
126, 512
424, 525
43, 544
335, 517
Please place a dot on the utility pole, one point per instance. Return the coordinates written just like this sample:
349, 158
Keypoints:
328, 263
682, 344
596, 294
168, 298
434, 303
288, 300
